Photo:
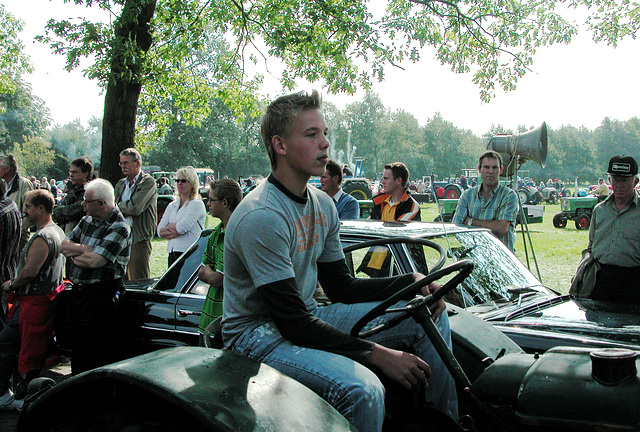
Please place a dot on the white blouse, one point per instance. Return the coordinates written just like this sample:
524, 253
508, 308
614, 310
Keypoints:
189, 220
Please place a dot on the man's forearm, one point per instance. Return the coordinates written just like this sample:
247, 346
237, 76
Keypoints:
89, 260
497, 227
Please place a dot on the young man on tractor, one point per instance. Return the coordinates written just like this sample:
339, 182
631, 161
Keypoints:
281, 240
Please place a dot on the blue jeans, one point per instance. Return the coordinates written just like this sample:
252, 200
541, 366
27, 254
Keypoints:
350, 387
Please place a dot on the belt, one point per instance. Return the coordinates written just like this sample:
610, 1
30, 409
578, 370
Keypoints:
98, 285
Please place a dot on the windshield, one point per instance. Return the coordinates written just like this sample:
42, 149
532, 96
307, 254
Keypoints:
498, 277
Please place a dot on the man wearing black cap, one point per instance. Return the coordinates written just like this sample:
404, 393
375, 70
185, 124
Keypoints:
614, 236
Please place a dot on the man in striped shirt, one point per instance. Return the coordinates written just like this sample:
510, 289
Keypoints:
490, 204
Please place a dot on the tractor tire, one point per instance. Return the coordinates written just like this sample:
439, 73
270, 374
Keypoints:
583, 222
358, 191
553, 199
523, 196
452, 192
559, 220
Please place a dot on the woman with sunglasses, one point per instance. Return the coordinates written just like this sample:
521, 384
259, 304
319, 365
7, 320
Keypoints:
184, 218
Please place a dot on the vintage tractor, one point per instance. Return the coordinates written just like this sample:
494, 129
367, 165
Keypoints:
578, 209
500, 387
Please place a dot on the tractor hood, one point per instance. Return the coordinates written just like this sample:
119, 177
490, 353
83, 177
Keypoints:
572, 322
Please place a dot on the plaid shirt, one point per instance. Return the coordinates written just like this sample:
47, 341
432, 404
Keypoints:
503, 205
110, 238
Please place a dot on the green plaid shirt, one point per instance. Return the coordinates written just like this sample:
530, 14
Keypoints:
214, 256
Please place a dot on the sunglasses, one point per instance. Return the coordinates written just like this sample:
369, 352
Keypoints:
182, 181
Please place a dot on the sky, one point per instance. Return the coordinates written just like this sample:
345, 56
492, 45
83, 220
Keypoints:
578, 84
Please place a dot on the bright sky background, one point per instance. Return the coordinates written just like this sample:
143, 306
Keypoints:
578, 84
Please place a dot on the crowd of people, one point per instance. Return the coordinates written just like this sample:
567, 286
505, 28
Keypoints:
261, 281
96, 236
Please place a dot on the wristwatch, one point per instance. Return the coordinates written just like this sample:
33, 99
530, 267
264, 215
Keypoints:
470, 222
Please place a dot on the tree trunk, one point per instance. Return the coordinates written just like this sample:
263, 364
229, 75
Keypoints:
121, 99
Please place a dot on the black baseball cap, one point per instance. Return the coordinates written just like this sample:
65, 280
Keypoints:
625, 166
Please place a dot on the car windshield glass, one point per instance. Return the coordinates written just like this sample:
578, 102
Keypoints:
498, 277
184, 268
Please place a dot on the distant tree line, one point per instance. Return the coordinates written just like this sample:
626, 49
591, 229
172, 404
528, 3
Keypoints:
364, 128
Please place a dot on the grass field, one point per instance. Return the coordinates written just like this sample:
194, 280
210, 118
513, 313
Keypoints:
557, 251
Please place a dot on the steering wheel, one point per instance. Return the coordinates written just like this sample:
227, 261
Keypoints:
408, 240
464, 269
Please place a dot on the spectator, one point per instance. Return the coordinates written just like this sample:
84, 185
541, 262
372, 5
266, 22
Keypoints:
490, 205
39, 273
613, 236
137, 199
330, 180
463, 182
395, 203
164, 188
44, 184
282, 239
184, 218
53, 188
10, 231
17, 187
98, 248
224, 197
601, 190
421, 188
69, 211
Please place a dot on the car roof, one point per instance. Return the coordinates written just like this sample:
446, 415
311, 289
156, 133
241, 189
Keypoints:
378, 229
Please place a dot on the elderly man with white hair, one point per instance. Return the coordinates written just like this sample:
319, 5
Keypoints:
98, 248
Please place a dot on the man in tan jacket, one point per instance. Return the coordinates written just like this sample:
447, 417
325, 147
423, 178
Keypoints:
137, 199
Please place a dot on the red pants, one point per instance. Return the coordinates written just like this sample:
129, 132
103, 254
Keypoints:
36, 331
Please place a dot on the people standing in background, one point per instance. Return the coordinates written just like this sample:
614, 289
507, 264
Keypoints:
17, 188
39, 273
98, 248
224, 197
70, 210
137, 199
184, 218
330, 181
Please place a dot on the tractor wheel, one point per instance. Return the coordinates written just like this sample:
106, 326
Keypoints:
452, 192
559, 220
583, 221
523, 196
358, 191
553, 198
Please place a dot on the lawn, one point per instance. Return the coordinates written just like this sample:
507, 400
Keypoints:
557, 251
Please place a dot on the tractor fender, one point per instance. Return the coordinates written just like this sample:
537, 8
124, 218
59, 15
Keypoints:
188, 388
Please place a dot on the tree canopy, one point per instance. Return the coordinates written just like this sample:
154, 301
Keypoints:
13, 60
161, 49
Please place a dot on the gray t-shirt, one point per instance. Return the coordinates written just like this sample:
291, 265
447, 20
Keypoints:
274, 236
50, 274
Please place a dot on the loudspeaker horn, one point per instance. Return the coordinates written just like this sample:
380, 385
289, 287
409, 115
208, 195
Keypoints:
516, 149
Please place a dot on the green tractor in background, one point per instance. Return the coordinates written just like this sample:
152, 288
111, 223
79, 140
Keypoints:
578, 209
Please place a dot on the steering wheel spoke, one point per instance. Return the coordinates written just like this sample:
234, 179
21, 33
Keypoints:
464, 268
